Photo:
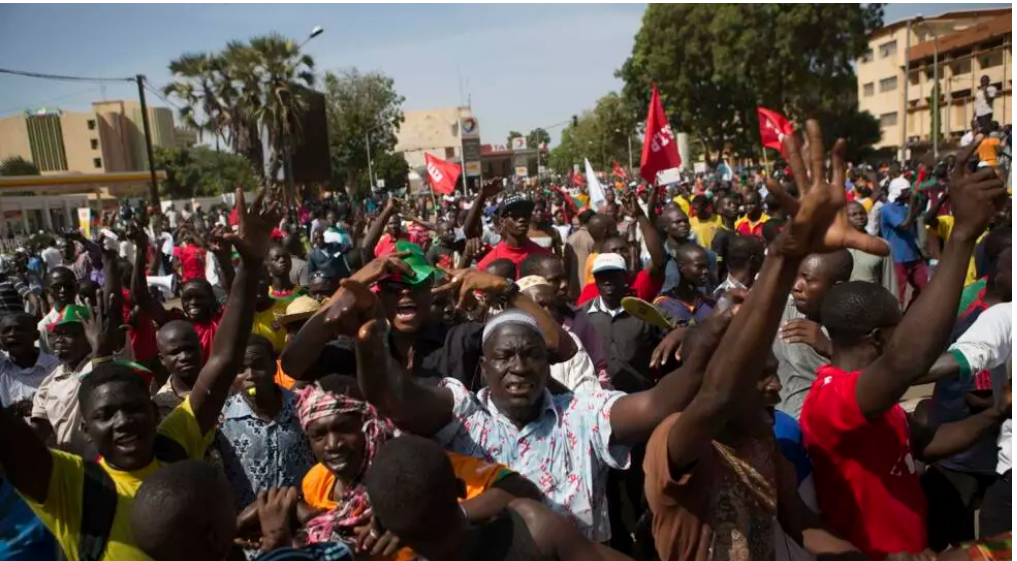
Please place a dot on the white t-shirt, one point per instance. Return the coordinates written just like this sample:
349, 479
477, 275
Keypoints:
127, 250
983, 102
52, 257
171, 217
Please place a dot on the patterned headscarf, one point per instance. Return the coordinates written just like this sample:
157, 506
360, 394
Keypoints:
353, 508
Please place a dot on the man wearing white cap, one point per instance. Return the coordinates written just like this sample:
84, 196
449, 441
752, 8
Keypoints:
898, 226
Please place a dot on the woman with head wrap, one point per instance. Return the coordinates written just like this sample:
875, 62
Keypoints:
345, 434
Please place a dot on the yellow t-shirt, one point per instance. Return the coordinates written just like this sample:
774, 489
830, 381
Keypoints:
683, 204
62, 511
944, 227
266, 324
987, 150
705, 229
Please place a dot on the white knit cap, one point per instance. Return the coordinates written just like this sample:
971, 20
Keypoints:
510, 317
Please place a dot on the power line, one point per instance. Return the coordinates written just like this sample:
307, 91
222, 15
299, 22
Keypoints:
162, 97
61, 77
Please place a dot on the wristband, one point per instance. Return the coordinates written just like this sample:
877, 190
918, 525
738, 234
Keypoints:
101, 360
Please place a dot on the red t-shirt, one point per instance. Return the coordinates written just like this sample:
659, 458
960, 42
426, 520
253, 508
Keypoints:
866, 483
387, 244
192, 262
142, 333
641, 286
205, 330
514, 254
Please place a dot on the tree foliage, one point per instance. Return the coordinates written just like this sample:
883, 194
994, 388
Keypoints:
714, 63
247, 88
601, 134
511, 135
537, 137
360, 107
200, 171
16, 165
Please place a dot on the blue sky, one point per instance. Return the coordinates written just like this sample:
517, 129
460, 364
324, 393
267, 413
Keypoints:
524, 65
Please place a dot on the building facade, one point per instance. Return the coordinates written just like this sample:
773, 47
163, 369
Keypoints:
434, 131
897, 76
110, 138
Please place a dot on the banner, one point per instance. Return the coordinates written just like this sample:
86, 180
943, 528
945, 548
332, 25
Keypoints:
442, 175
593, 187
85, 222
660, 151
773, 127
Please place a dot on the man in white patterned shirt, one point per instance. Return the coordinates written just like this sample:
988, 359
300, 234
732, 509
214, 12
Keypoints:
24, 367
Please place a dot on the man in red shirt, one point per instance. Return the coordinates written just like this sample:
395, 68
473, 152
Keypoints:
862, 443
514, 218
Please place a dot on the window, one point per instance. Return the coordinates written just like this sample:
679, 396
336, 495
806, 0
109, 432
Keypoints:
91, 124
960, 94
962, 66
888, 119
867, 56
95, 143
868, 89
991, 60
97, 162
913, 78
888, 84
450, 153
888, 49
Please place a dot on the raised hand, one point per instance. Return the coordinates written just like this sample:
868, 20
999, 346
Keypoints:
973, 196
275, 511
217, 243
381, 267
99, 326
491, 188
254, 225
350, 307
808, 332
819, 223
469, 280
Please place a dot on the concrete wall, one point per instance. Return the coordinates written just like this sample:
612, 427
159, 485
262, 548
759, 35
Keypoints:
14, 138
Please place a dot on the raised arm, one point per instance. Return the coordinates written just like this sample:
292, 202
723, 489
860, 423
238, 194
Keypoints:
220, 248
650, 235
471, 227
24, 458
227, 356
931, 443
139, 282
378, 227
907, 358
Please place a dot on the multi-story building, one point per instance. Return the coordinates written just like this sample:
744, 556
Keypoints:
110, 138
434, 131
897, 75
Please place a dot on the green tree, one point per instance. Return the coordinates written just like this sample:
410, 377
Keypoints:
16, 165
361, 107
537, 137
602, 135
714, 63
200, 171
247, 88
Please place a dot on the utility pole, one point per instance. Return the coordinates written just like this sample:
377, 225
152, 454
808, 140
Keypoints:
153, 188
907, 78
370, 171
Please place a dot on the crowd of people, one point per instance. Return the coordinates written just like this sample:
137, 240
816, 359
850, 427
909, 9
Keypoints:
713, 369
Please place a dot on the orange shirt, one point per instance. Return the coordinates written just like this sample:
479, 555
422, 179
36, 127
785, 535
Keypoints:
987, 150
281, 378
478, 476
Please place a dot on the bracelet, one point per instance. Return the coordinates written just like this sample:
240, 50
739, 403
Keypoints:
101, 360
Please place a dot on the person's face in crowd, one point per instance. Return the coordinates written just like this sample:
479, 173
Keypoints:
546, 297
728, 207
18, 335
515, 368
984, 81
319, 238
338, 442
695, 267
811, 285
446, 233
321, 287
515, 223
393, 227
702, 208
1004, 275
88, 290
259, 369
406, 307
553, 271
331, 218
443, 307
62, 287
556, 198
751, 204
617, 245
612, 285
278, 262
609, 195
69, 343
539, 215
20, 262
857, 216
120, 420
68, 250
198, 302
676, 224
180, 352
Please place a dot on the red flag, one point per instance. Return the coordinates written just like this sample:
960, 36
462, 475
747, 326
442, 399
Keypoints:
660, 151
773, 127
443, 175
578, 179
617, 171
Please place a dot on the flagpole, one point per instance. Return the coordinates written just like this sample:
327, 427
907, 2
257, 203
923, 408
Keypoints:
766, 164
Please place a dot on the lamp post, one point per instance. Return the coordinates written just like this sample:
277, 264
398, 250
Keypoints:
629, 136
288, 140
315, 31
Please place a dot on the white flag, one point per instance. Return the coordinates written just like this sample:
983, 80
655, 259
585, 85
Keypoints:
593, 186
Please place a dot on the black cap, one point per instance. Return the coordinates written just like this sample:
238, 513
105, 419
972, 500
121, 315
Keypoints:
512, 201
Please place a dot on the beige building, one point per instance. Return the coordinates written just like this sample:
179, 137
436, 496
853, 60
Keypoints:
434, 131
108, 139
964, 46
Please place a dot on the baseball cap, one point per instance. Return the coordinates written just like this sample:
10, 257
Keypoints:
515, 201
608, 262
422, 270
72, 313
299, 309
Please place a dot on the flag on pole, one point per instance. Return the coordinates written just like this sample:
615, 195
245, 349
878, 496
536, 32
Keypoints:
597, 197
773, 127
442, 175
578, 179
618, 171
660, 151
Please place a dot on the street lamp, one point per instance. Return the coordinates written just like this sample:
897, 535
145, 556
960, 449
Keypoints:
317, 30
288, 151
629, 135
